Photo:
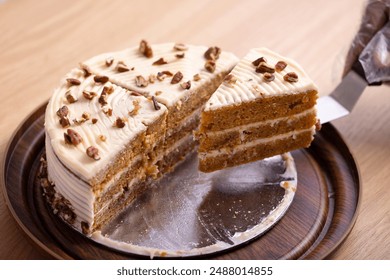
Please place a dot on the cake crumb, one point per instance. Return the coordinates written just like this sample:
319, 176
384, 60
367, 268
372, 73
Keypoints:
230, 80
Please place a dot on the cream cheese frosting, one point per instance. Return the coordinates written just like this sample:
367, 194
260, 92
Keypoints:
192, 63
251, 85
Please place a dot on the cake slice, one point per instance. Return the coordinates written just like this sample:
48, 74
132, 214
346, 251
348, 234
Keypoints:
264, 107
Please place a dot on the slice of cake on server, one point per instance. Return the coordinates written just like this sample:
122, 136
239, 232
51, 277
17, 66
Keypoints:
264, 107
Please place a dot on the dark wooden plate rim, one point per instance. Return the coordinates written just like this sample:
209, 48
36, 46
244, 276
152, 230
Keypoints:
62, 254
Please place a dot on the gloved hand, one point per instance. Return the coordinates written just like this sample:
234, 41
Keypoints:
371, 44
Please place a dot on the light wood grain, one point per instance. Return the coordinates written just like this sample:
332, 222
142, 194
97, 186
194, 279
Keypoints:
41, 40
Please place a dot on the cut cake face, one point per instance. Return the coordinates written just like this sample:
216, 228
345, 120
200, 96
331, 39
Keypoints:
264, 107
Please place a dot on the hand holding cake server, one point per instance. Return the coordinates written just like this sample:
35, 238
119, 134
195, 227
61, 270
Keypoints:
367, 62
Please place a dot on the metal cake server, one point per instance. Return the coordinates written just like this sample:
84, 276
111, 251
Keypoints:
343, 98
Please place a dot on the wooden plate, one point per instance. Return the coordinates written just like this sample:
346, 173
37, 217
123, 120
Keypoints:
321, 216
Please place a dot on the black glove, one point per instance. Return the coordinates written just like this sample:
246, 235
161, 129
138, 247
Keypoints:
371, 44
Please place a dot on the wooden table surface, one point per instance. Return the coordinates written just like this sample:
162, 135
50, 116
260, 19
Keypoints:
41, 40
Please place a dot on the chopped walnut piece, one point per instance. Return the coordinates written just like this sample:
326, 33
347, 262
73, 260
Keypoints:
136, 109
64, 122
258, 61
212, 53
89, 94
107, 111
70, 97
186, 85
108, 89
268, 77
145, 49
86, 72
109, 61
102, 138
135, 93
263, 67
230, 80
119, 122
103, 98
291, 77
72, 137
155, 104
160, 61
140, 81
180, 47
63, 111
86, 116
180, 55
94, 120
93, 152
161, 75
152, 78
73, 82
280, 65
177, 77
100, 79
196, 77
122, 67
210, 66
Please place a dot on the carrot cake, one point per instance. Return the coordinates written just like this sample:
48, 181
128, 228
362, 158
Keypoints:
121, 119
264, 107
